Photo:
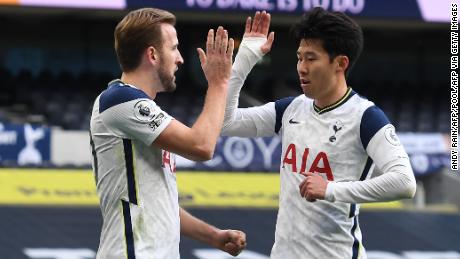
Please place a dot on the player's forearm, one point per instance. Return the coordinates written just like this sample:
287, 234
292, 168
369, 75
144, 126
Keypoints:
195, 228
252, 122
207, 128
396, 183
248, 55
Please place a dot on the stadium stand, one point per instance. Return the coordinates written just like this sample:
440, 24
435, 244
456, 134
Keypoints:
52, 100
54, 62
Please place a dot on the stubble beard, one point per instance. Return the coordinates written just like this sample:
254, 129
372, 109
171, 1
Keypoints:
166, 79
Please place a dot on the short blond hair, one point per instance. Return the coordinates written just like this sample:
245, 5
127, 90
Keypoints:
138, 30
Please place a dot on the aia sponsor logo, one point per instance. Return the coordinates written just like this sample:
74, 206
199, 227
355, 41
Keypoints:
168, 161
320, 164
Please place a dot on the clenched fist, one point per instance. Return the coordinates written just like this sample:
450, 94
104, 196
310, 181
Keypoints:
230, 241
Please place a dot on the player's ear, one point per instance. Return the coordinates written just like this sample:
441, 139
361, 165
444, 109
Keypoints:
342, 62
152, 54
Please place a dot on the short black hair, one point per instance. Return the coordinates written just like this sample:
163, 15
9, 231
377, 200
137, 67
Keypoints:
338, 33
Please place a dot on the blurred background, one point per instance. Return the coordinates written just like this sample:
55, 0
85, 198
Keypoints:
56, 56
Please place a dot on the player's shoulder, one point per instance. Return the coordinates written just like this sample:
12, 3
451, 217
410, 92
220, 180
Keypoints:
118, 93
284, 103
368, 109
288, 104
372, 119
360, 102
370, 112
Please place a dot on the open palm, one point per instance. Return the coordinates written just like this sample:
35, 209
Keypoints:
259, 27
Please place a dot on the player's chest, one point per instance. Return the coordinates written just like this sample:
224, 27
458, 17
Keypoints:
315, 143
329, 132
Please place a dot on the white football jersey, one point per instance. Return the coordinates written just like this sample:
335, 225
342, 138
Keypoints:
340, 142
136, 183
336, 142
328, 142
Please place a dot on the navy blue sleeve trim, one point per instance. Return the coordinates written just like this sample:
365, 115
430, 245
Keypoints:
355, 240
280, 107
352, 210
129, 235
119, 94
130, 174
366, 170
372, 121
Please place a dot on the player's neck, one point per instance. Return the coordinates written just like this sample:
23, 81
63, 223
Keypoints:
141, 81
333, 96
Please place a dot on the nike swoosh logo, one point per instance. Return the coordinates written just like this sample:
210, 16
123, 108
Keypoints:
293, 121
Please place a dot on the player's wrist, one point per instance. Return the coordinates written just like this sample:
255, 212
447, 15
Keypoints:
253, 44
215, 238
329, 195
248, 55
221, 84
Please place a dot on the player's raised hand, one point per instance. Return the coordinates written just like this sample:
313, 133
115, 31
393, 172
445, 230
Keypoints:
259, 27
231, 241
216, 62
313, 187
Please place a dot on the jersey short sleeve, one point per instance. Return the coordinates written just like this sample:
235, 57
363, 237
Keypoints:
280, 107
372, 121
379, 138
129, 113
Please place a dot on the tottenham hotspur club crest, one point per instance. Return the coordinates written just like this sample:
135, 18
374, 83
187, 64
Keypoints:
336, 127
143, 111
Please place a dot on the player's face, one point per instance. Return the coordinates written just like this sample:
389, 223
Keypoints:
170, 58
317, 74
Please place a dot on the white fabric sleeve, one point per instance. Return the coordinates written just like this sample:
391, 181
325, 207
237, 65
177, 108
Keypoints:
252, 122
396, 182
249, 122
139, 119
